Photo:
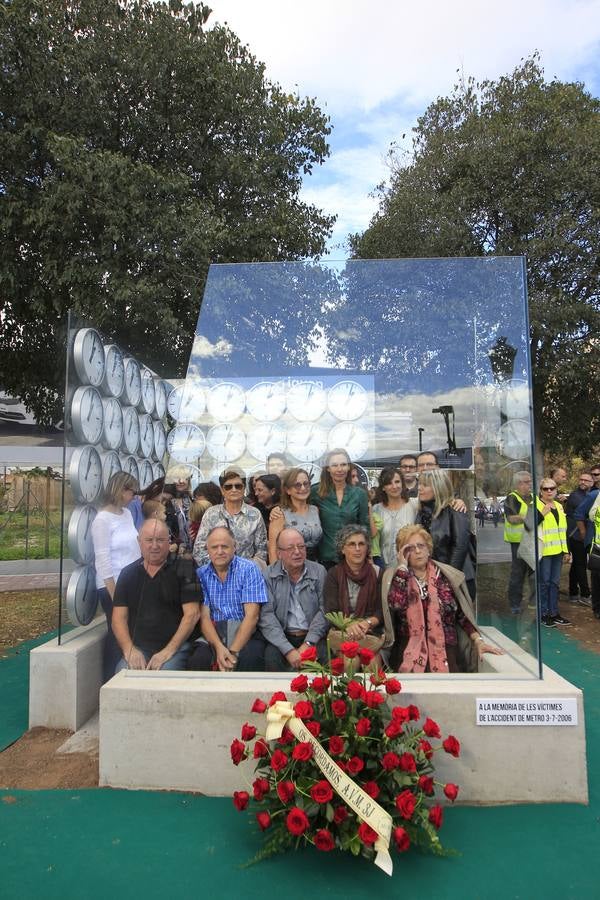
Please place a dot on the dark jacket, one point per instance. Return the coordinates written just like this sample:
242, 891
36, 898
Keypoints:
452, 538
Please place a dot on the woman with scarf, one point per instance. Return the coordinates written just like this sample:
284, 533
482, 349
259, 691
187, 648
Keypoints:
434, 621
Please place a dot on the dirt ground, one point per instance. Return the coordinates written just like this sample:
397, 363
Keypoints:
25, 615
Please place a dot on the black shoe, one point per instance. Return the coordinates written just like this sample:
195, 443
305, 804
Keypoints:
549, 622
560, 621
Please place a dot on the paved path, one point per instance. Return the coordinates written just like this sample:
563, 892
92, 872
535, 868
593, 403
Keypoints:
32, 574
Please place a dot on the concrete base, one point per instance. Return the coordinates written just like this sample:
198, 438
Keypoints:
65, 680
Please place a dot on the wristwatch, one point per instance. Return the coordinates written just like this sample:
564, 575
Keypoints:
309, 643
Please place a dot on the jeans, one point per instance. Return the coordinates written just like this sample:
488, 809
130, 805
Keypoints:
549, 571
178, 661
111, 653
251, 657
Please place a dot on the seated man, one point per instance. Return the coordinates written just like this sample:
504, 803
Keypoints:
293, 617
233, 592
156, 605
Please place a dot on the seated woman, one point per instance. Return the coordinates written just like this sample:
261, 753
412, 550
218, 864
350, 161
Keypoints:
433, 618
294, 511
352, 588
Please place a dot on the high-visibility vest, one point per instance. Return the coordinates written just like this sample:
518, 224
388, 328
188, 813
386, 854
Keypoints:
514, 533
553, 533
597, 525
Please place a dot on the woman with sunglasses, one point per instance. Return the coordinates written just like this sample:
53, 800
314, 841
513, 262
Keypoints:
294, 511
552, 550
243, 521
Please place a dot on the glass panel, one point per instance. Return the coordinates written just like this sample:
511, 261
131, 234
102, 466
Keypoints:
381, 358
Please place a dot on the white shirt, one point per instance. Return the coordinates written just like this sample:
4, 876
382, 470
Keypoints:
115, 542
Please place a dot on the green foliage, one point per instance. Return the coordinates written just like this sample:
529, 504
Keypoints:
136, 147
512, 167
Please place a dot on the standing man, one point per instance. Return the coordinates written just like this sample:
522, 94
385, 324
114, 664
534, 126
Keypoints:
579, 591
156, 605
427, 460
560, 477
234, 590
515, 509
408, 468
294, 616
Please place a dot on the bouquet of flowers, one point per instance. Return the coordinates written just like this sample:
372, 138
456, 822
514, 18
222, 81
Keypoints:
339, 768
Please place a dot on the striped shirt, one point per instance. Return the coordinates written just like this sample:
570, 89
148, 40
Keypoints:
244, 584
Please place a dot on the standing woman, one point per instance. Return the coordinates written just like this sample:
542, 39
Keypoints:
267, 490
294, 511
395, 508
339, 503
115, 541
552, 536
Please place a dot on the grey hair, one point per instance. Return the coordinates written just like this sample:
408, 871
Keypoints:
519, 476
346, 532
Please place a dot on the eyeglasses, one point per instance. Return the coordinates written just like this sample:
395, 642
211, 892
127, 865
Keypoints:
408, 467
409, 548
300, 485
236, 486
300, 547
549, 487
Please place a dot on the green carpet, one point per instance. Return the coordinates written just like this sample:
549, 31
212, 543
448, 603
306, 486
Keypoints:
92, 844
14, 696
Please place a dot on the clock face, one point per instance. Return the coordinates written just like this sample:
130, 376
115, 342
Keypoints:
132, 390
347, 400
306, 401
112, 430
186, 442
160, 440
160, 399
226, 402
146, 474
146, 435
87, 415
517, 400
85, 474
266, 401
131, 430
514, 439
129, 464
88, 356
114, 371
307, 442
353, 438
226, 442
82, 598
265, 439
111, 464
158, 471
314, 471
81, 547
146, 403
187, 402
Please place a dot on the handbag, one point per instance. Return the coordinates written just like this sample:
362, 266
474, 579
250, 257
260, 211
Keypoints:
526, 548
593, 562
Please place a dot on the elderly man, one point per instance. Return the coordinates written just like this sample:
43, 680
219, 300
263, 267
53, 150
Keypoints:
293, 617
156, 605
516, 505
234, 590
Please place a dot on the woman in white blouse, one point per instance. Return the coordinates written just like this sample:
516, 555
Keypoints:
115, 540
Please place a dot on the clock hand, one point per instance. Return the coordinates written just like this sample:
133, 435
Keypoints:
310, 434
93, 353
89, 465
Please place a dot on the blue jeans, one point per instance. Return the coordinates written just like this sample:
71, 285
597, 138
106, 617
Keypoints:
549, 570
178, 661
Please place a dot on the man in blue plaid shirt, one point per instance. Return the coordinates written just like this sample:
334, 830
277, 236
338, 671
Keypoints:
234, 590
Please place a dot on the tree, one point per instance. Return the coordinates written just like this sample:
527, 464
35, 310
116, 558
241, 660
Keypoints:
136, 147
512, 167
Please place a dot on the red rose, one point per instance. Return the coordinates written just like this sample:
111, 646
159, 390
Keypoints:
355, 690
263, 819
355, 765
372, 789
286, 791
258, 706
338, 708
367, 834
336, 745
363, 727
304, 709
302, 751
451, 745
337, 665
393, 729
401, 839
309, 654
426, 784
390, 761
432, 729
451, 791
279, 760
248, 732
414, 713
378, 677
426, 748
287, 737
373, 699
240, 799
340, 813
436, 816
278, 695
393, 686
341, 765
321, 792
400, 714
299, 684
260, 787
405, 804
238, 751
350, 649
324, 840
260, 749
296, 821
407, 763
366, 656
320, 684
314, 728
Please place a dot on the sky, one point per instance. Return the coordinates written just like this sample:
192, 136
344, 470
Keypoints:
375, 66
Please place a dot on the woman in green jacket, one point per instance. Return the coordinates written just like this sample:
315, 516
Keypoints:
339, 503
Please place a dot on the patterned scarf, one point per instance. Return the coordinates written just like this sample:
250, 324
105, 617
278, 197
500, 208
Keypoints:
426, 642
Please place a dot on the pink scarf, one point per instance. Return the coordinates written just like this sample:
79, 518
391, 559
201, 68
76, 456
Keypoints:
426, 643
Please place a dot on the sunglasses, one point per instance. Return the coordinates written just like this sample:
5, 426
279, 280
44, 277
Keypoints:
551, 487
236, 486
300, 485
595, 474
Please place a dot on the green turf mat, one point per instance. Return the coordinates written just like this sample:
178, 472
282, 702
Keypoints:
14, 696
